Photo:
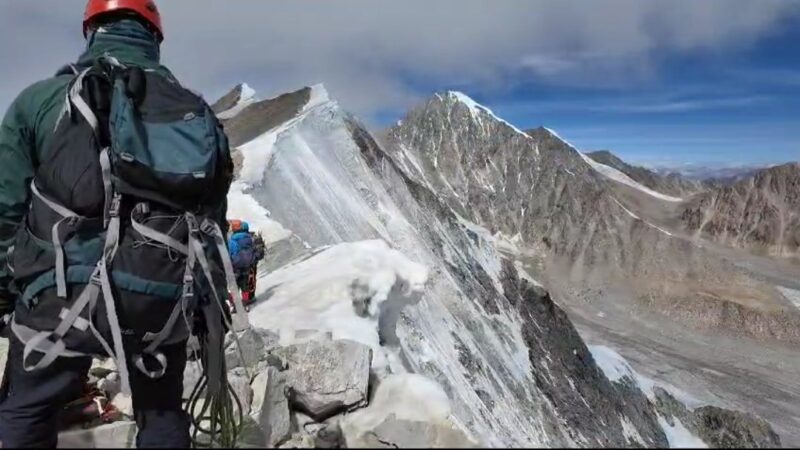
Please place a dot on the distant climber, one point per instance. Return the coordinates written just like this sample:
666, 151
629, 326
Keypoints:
112, 234
247, 250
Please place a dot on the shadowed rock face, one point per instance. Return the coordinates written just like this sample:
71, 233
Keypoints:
228, 101
260, 117
761, 212
672, 184
537, 193
718, 427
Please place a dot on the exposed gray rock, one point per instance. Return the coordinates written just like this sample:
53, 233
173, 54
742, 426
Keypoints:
718, 427
101, 368
115, 435
240, 383
299, 440
191, 375
325, 378
274, 418
111, 385
723, 428
123, 403
396, 433
253, 344
761, 212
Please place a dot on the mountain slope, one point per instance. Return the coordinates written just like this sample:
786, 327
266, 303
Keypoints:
540, 198
761, 212
671, 184
517, 371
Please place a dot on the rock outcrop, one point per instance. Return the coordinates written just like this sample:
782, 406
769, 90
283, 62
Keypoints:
761, 212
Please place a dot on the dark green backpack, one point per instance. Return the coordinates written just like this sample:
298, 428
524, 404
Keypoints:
122, 243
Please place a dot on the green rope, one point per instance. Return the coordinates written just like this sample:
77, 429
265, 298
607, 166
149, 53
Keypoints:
219, 422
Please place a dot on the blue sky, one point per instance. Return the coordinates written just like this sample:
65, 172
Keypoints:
737, 106
660, 82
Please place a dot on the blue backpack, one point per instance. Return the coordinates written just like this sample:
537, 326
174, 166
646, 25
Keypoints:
242, 249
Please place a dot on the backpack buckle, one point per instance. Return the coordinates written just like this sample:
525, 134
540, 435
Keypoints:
114, 208
188, 286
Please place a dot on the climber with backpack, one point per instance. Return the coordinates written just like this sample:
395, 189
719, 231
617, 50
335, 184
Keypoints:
247, 250
112, 237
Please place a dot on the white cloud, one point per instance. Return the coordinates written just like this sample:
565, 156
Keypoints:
371, 53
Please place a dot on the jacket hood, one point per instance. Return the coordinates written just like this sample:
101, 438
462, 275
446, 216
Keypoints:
127, 40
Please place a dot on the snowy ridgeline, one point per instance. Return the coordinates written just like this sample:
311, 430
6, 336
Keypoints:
357, 250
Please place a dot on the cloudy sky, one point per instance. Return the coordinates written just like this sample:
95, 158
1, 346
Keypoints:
659, 82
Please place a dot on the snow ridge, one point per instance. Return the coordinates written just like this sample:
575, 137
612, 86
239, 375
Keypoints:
477, 110
614, 174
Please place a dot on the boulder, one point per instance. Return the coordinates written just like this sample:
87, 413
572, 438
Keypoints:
405, 410
114, 435
299, 440
327, 377
240, 383
111, 385
191, 375
101, 368
398, 433
724, 428
272, 415
123, 403
253, 344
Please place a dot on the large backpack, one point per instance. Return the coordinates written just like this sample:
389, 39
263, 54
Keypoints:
122, 243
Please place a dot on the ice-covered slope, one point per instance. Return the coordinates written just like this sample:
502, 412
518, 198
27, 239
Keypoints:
515, 368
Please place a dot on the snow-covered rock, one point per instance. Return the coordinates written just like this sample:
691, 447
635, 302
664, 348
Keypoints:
406, 411
351, 290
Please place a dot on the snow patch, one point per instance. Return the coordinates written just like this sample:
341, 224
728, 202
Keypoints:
247, 96
613, 365
319, 96
523, 273
477, 110
639, 218
344, 289
616, 367
792, 295
615, 175
678, 436
243, 206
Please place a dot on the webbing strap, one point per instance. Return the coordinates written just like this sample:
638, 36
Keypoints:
138, 361
240, 321
61, 269
55, 232
25, 334
111, 245
105, 169
42, 341
63, 211
80, 103
158, 236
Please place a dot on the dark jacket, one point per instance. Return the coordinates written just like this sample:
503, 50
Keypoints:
31, 118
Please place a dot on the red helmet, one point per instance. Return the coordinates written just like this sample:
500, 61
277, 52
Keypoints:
146, 9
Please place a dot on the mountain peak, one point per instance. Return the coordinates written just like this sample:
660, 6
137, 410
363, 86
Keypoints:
477, 110
317, 96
